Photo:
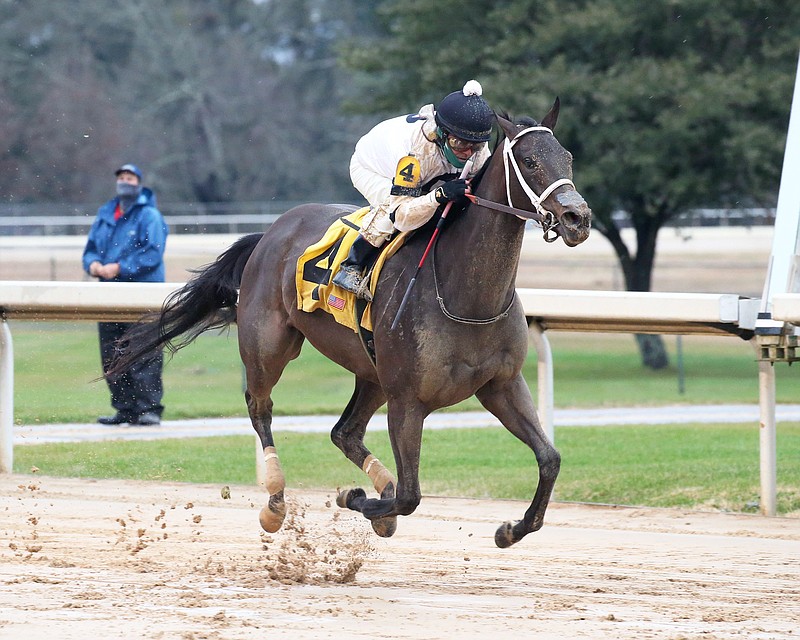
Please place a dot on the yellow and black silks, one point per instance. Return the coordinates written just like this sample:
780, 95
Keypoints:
320, 262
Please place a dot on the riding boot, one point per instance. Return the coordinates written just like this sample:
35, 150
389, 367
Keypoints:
350, 275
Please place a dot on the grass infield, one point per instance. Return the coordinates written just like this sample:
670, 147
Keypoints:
691, 466
698, 466
57, 366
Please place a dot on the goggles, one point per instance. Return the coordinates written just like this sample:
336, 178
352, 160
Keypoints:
457, 144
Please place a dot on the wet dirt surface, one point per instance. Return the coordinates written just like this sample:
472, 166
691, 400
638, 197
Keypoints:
121, 559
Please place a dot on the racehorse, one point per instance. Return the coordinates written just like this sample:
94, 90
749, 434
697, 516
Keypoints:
463, 332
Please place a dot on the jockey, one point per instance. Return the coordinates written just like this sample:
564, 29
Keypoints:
397, 164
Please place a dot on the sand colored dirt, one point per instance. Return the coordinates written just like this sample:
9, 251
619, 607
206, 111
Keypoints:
119, 559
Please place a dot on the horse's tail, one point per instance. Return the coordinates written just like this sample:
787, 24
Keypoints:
207, 301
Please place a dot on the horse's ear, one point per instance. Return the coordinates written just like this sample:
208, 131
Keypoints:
551, 118
507, 126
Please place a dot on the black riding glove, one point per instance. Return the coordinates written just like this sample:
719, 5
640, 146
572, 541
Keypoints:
450, 191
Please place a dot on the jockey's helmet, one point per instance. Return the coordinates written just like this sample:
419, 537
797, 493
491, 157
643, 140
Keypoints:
465, 114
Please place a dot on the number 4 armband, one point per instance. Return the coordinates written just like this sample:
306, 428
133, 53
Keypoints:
407, 178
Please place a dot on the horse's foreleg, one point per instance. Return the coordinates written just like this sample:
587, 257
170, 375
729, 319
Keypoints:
405, 434
348, 435
512, 404
273, 513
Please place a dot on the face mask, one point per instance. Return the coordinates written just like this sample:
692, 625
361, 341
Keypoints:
451, 157
128, 191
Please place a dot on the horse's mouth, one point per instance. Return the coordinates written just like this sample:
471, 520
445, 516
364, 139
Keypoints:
572, 238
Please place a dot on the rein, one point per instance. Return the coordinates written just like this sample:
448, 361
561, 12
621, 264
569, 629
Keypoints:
543, 216
455, 318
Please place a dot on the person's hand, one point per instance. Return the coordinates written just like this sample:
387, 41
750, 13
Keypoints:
105, 271
112, 270
452, 190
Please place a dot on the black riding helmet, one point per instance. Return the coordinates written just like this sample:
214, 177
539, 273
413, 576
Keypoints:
465, 114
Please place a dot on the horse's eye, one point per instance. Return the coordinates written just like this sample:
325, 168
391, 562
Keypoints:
528, 162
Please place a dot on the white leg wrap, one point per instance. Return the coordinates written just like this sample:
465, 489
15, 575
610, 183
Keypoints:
275, 480
379, 474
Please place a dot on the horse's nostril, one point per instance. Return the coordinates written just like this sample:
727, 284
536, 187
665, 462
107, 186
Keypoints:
570, 220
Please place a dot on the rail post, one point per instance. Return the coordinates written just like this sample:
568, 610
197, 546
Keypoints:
544, 378
6, 399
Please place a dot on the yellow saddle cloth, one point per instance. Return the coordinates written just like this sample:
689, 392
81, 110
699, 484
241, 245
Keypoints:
320, 262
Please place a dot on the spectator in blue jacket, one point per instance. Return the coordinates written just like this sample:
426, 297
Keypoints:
126, 244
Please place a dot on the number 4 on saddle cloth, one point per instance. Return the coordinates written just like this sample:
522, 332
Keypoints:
320, 262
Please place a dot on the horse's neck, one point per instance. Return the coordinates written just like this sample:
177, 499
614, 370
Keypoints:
480, 253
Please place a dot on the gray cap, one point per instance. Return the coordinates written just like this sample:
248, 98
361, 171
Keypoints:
131, 168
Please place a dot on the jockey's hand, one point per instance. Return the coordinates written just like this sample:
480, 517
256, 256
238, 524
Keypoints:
451, 191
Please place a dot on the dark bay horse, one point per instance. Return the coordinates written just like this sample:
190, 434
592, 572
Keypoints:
463, 332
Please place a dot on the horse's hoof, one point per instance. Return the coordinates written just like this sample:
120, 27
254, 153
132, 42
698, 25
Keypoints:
272, 515
385, 527
375, 509
345, 498
504, 536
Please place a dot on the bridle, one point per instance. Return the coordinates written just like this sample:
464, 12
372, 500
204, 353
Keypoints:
541, 215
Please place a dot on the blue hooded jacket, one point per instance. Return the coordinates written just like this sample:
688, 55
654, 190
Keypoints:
136, 241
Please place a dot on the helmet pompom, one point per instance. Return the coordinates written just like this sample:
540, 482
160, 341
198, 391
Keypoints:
472, 88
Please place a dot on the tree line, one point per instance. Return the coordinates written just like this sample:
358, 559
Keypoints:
217, 100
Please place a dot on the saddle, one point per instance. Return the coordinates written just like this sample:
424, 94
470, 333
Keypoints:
318, 264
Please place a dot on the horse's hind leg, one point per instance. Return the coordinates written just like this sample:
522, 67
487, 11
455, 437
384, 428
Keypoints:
265, 356
348, 435
511, 402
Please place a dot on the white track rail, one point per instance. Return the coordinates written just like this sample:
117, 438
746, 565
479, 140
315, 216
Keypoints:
547, 309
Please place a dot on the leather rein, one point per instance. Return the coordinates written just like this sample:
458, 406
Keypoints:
543, 216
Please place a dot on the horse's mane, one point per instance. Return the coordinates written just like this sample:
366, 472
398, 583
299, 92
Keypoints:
521, 122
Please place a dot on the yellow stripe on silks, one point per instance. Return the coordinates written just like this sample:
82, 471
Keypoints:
326, 295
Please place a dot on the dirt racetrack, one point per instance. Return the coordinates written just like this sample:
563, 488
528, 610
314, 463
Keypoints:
117, 559
698, 259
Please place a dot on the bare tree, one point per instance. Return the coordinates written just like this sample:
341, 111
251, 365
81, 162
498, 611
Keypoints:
218, 100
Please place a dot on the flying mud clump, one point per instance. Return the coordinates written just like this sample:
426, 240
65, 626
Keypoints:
305, 552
